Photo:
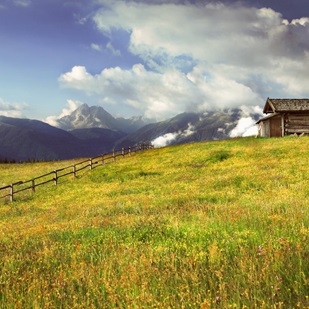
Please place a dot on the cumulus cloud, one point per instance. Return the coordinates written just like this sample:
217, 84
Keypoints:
11, 109
226, 55
302, 21
160, 94
71, 106
156, 94
77, 74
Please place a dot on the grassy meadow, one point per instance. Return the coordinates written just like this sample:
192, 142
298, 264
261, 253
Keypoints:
221, 224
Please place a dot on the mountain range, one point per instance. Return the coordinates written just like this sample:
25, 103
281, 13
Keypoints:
90, 131
85, 117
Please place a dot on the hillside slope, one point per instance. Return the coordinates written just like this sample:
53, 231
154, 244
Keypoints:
209, 225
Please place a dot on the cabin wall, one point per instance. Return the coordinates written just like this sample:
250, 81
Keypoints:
296, 123
264, 129
285, 124
271, 127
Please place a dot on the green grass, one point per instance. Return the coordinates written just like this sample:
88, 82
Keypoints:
206, 225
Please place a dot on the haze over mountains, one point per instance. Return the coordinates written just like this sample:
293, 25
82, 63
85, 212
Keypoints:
90, 131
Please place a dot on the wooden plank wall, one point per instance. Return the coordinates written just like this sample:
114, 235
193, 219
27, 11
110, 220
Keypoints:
296, 123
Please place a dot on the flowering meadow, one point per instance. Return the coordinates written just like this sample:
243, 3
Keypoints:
221, 224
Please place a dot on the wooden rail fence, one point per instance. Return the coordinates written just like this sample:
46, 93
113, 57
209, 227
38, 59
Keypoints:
54, 176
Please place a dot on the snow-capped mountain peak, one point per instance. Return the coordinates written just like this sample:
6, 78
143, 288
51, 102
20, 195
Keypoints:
97, 117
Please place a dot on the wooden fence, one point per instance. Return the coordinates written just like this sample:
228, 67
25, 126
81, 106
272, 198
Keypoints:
56, 175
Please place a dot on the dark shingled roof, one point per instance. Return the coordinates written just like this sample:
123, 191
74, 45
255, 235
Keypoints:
286, 105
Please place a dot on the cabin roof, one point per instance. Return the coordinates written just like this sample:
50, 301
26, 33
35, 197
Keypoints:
285, 105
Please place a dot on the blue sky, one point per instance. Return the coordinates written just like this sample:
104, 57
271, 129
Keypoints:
151, 58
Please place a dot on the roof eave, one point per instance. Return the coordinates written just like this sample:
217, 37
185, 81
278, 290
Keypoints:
267, 117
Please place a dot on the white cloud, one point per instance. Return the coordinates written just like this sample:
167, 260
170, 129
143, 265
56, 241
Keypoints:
249, 110
78, 73
245, 127
79, 79
168, 138
156, 94
96, 47
189, 131
160, 95
164, 140
302, 21
11, 109
212, 32
197, 57
72, 106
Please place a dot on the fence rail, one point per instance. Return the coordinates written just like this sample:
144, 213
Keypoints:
32, 184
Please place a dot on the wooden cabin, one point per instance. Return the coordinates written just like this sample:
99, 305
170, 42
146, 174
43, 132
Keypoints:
286, 117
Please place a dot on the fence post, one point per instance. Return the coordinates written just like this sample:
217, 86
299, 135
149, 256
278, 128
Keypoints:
74, 170
11, 193
55, 178
130, 151
33, 185
90, 163
122, 152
